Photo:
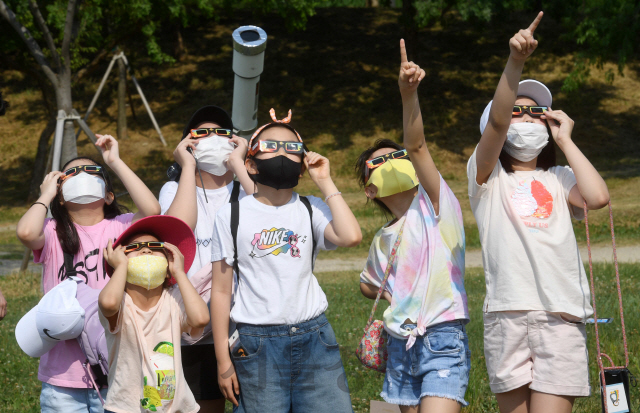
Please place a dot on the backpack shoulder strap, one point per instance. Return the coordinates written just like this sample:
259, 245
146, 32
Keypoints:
235, 192
307, 204
235, 221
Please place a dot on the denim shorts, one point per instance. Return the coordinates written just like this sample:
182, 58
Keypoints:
290, 368
437, 365
56, 399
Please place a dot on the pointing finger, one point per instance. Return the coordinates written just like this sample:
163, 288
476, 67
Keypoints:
534, 25
403, 52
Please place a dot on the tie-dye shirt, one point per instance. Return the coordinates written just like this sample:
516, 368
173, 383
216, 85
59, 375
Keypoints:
426, 281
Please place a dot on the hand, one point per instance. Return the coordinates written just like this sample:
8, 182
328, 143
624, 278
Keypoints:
522, 44
239, 153
115, 257
228, 383
182, 155
560, 123
387, 296
410, 73
109, 147
3, 306
49, 187
176, 260
318, 167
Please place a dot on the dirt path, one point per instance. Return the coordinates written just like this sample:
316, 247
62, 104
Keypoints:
473, 258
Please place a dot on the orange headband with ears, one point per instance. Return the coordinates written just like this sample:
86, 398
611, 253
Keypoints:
283, 121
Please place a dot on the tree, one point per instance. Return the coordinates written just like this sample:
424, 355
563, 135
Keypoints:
606, 31
58, 42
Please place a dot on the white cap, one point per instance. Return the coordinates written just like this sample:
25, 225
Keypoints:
57, 317
529, 88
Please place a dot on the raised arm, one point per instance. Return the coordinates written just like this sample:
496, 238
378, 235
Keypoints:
110, 298
343, 230
142, 197
184, 204
236, 164
194, 305
408, 80
221, 287
30, 228
590, 187
521, 45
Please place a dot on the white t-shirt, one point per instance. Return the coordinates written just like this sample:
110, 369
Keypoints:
529, 250
206, 215
276, 283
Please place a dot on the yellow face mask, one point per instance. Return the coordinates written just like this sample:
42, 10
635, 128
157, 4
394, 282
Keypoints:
148, 271
393, 177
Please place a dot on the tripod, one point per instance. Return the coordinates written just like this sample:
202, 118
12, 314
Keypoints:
117, 56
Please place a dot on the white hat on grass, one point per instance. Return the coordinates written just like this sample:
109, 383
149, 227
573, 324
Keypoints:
57, 317
529, 88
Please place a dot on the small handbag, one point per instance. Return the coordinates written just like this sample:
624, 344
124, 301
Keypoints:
372, 350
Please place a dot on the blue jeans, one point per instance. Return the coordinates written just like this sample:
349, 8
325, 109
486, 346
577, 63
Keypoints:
290, 368
56, 399
437, 365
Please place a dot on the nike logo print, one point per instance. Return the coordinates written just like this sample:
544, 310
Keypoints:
46, 331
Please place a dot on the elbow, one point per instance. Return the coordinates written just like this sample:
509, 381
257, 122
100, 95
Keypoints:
202, 320
155, 209
108, 305
414, 147
353, 240
24, 234
601, 201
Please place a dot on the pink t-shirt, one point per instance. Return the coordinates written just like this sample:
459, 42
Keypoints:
62, 365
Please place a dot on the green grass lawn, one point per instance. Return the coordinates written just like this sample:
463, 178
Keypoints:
348, 312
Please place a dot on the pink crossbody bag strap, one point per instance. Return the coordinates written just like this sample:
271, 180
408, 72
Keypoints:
392, 258
601, 366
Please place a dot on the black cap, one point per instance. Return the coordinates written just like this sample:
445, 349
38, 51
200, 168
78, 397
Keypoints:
208, 114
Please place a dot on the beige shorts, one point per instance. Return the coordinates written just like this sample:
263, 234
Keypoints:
537, 347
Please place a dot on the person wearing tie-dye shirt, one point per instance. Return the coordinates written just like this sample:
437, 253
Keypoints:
428, 351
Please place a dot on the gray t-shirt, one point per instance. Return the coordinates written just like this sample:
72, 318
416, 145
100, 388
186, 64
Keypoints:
529, 250
276, 284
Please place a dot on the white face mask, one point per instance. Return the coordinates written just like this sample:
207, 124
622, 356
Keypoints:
525, 140
213, 153
83, 188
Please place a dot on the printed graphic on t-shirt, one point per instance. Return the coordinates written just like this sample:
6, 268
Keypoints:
165, 378
86, 268
203, 242
532, 200
276, 241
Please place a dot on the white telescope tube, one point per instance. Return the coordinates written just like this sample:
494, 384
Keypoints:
249, 44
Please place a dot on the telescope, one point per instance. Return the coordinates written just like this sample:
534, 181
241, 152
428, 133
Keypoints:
249, 44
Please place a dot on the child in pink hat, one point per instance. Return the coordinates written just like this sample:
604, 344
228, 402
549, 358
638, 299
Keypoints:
144, 315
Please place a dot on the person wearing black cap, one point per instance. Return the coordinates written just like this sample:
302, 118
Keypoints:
201, 182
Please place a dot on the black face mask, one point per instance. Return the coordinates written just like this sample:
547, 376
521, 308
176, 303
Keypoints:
278, 172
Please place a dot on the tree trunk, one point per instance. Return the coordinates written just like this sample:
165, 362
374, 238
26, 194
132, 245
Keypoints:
39, 169
373, 3
410, 29
64, 102
181, 52
122, 100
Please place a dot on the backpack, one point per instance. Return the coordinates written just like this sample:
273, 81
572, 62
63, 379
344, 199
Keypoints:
201, 280
92, 340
